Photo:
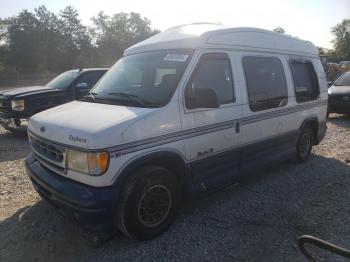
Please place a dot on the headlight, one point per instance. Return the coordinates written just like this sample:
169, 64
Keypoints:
90, 163
17, 105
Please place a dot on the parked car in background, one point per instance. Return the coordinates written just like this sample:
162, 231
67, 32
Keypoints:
18, 104
183, 113
344, 64
339, 95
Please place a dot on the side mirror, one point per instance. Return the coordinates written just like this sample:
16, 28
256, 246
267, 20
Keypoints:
202, 98
81, 85
330, 83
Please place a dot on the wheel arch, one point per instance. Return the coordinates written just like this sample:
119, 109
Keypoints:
314, 124
167, 158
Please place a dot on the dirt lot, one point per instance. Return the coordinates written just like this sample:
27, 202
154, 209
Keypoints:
258, 220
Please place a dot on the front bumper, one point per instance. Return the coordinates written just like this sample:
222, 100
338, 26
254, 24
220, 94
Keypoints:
337, 104
14, 120
14, 123
91, 207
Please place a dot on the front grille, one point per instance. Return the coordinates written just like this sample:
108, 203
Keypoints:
334, 98
49, 154
5, 105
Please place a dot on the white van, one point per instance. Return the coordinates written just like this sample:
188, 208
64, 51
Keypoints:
184, 112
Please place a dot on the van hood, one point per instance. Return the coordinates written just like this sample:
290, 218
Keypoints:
86, 125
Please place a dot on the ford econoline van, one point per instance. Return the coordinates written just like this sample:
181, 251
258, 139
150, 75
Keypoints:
182, 113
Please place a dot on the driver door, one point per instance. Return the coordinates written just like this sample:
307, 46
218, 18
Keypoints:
215, 132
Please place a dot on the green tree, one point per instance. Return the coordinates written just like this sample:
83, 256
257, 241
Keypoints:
76, 42
49, 39
113, 34
42, 41
23, 34
3, 46
341, 41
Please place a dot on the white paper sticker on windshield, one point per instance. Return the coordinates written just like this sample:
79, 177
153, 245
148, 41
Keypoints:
175, 57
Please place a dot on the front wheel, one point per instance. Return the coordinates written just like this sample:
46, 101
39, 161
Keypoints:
304, 144
149, 203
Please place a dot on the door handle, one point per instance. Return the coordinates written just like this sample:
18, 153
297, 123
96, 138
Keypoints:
238, 127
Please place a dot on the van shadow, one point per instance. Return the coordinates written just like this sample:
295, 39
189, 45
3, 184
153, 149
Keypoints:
260, 218
340, 120
265, 212
13, 146
40, 233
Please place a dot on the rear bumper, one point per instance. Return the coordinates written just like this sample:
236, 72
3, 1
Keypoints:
91, 207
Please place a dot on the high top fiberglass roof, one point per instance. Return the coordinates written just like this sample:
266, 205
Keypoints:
201, 35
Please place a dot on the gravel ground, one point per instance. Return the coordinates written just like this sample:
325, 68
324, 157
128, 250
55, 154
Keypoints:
258, 220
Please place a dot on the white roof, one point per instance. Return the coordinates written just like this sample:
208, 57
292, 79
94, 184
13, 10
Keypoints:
196, 36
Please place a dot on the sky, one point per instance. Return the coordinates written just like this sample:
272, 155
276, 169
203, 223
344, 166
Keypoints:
306, 19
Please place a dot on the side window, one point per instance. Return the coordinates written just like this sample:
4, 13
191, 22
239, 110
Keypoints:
90, 78
266, 82
305, 81
213, 72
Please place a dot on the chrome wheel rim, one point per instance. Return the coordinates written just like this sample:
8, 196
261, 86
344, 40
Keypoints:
154, 205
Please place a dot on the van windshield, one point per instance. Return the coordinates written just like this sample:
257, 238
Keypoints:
63, 80
143, 80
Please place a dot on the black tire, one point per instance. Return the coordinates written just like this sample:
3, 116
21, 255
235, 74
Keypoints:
149, 202
304, 144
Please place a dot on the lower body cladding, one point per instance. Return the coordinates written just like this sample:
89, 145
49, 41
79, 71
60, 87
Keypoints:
91, 207
94, 207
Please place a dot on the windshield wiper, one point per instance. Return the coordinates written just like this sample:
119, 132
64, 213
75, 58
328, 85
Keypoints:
133, 97
92, 95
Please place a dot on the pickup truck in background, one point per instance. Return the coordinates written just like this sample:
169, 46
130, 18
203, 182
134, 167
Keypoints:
17, 105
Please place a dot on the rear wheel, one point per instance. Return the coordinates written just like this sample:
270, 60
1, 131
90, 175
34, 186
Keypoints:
304, 144
149, 203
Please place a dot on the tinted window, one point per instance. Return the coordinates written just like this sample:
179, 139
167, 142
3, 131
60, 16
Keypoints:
266, 82
90, 78
305, 81
343, 80
213, 72
63, 80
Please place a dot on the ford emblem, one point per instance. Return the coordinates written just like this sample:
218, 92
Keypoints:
42, 129
346, 98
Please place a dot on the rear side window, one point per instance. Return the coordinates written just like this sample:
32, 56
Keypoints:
266, 82
305, 81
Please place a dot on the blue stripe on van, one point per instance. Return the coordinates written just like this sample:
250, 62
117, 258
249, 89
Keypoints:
185, 134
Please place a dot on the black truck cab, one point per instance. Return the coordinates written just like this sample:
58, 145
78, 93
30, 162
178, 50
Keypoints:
17, 105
